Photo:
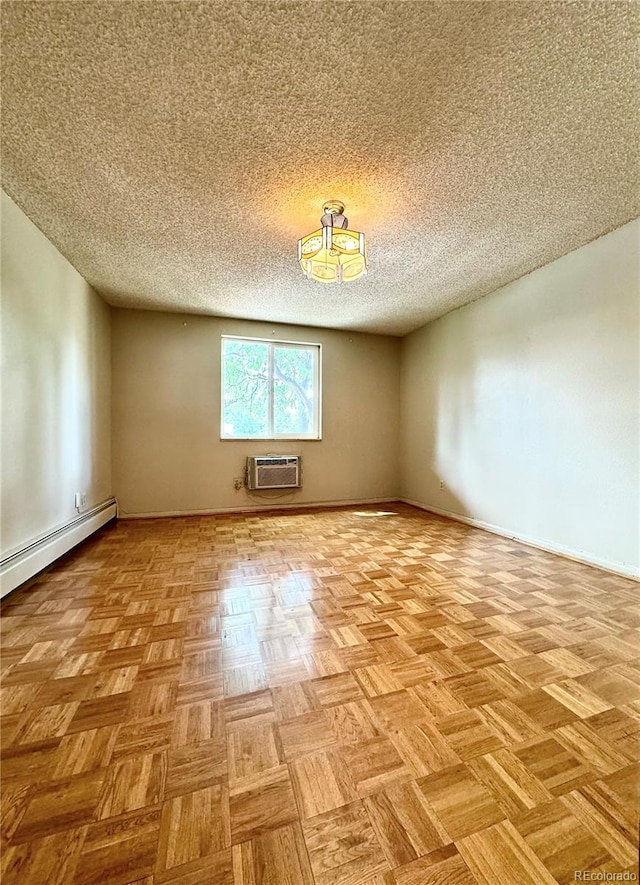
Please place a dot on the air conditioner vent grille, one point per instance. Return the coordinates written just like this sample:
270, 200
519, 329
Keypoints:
274, 472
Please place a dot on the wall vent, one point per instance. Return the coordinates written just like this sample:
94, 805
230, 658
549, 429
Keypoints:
274, 472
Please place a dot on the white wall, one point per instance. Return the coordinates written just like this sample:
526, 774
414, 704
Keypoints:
526, 403
55, 435
167, 453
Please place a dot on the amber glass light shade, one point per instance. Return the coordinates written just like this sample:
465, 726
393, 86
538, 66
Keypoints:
332, 254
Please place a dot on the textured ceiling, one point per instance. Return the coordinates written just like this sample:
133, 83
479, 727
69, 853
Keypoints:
175, 151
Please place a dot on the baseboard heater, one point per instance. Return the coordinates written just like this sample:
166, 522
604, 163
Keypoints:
23, 564
274, 472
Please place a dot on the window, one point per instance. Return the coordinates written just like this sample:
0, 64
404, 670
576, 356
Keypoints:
270, 389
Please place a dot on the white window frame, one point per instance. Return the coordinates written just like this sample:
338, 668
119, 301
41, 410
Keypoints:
316, 434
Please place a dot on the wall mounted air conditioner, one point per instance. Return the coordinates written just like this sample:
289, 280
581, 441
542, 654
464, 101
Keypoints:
274, 472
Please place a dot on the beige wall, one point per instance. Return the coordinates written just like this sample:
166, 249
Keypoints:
55, 386
525, 404
167, 453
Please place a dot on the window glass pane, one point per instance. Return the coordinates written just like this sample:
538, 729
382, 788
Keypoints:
293, 389
246, 388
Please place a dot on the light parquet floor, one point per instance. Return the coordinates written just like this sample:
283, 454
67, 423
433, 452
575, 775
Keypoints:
334, 697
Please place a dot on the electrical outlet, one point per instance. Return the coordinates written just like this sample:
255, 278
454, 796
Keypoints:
238, 483
441, 483
80, 499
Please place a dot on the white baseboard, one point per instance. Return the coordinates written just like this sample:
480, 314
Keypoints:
256, 508
619, 568
23, 564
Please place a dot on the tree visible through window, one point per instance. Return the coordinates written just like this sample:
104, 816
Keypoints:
270, 389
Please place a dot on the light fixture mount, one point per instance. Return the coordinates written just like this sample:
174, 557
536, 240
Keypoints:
333, 253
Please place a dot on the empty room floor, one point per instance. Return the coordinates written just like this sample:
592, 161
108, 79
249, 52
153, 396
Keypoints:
322, 697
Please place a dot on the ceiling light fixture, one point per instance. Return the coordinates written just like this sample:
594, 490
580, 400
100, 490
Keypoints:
333, 254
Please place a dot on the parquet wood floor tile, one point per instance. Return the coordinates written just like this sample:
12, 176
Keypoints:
262, 802
561, 841
500, 854
444, 866
214, 868
349, 696
120, 849
277, 857
460, 801
343, 847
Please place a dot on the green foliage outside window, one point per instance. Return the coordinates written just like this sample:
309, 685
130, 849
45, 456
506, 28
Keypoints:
269, 389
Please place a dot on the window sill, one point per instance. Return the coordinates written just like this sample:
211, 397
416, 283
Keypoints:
271, 439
